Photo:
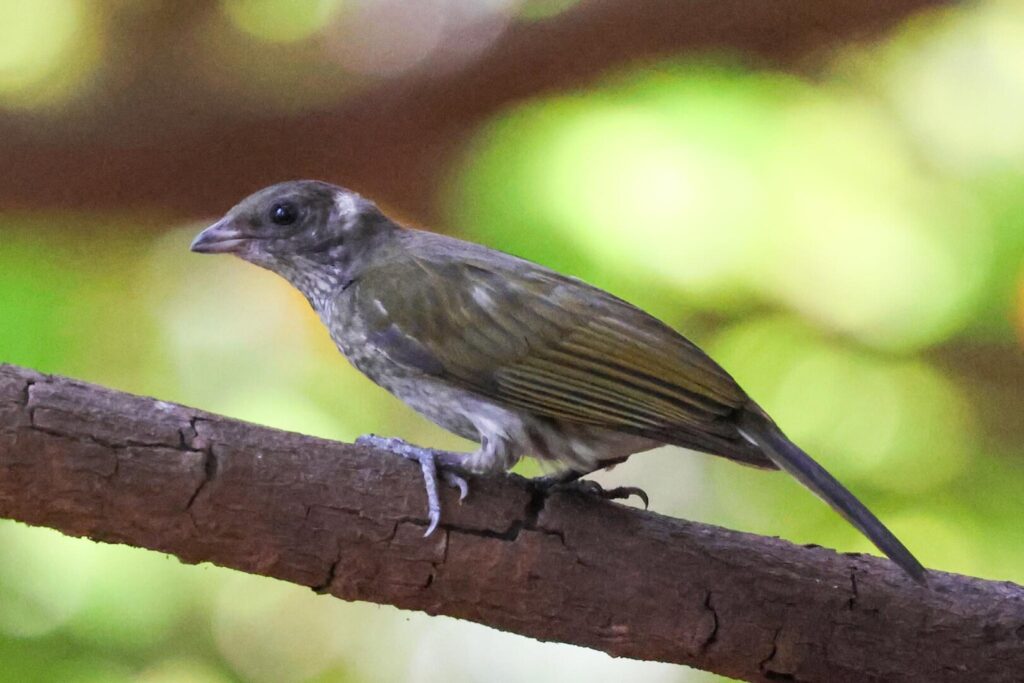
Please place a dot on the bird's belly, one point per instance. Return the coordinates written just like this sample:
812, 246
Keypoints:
440, 403
446, 406
507, 434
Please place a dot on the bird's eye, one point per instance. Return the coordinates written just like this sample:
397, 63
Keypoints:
284, 213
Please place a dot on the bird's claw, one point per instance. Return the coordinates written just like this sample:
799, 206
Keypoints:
624, 493
428, 460
592, 488
457, 482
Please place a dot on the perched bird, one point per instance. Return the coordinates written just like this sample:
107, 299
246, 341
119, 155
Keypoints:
507, 353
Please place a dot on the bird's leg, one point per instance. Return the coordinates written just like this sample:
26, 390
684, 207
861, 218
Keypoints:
432, 461
574, 479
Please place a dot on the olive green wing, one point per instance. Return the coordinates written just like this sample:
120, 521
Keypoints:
527, 337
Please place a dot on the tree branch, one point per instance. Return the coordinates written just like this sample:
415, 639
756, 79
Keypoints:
348, 520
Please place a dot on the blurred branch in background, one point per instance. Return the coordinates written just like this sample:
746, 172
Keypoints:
346, 520
156, 140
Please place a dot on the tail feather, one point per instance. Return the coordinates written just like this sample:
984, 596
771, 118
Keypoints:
760, 430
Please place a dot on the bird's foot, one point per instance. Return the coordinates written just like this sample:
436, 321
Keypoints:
432, 462
591, 488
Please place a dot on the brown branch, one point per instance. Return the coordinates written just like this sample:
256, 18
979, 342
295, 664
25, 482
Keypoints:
347, 520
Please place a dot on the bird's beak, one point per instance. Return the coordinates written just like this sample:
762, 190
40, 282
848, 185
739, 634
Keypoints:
220, 238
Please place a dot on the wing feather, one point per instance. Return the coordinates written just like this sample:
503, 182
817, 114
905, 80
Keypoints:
519, 334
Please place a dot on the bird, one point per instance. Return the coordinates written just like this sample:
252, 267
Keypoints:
509, 354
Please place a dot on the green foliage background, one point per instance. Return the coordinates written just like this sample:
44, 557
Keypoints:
851, 248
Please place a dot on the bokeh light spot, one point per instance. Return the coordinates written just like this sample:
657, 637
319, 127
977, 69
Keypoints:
388, 37
42, 50
625, 180
861, 245
651, 174
733, 186
134, 600
894, 423
182, 670
37, 594
959, 85
281, 21
544, 9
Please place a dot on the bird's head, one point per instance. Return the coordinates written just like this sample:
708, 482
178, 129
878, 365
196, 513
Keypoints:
314, 234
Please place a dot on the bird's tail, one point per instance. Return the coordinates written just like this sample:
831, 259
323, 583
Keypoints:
760, 430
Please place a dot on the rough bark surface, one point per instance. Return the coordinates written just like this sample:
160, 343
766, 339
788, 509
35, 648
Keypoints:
349, 521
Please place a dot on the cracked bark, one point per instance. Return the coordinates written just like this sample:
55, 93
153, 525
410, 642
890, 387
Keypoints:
348, 520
